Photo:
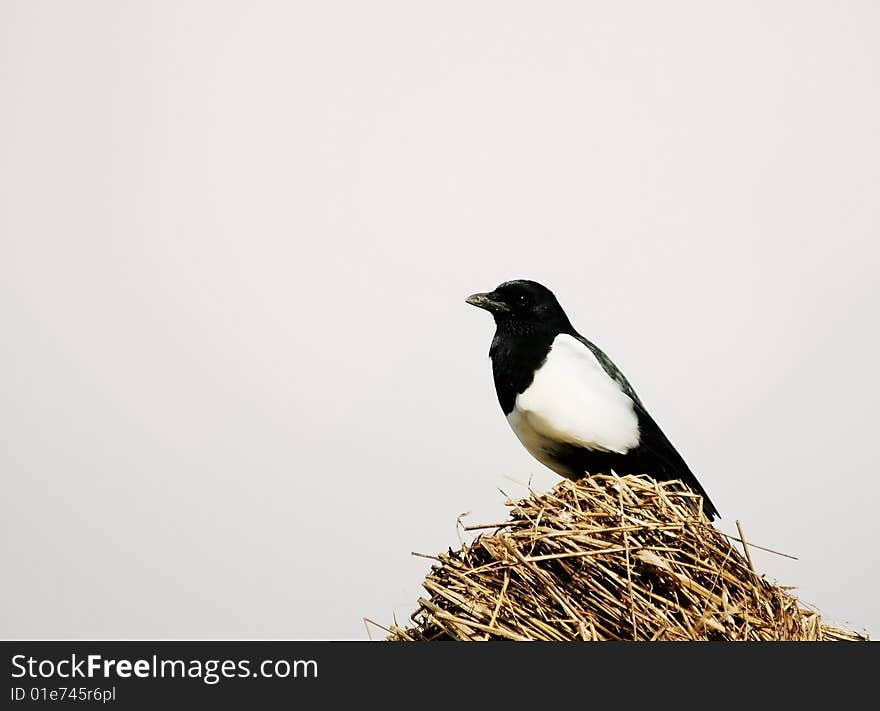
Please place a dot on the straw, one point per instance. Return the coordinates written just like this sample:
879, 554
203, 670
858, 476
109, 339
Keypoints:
606, 558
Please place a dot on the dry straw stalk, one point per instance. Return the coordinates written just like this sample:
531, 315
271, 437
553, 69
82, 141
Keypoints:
606, 558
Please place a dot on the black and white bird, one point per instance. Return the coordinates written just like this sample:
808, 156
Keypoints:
570, 406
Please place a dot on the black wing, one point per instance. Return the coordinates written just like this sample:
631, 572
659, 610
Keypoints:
661, 460
612, 370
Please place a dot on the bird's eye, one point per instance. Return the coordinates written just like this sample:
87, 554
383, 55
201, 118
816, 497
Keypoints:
523, 299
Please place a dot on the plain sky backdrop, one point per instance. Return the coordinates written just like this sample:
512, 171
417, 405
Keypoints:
239, 380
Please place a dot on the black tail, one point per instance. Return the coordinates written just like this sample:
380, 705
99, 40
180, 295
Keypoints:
660, 460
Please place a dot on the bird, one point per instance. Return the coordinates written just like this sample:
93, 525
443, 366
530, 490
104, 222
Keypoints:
566, 401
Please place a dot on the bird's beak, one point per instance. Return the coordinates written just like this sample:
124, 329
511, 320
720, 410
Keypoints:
488, 302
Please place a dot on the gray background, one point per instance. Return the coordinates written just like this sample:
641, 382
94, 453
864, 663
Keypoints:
239, 379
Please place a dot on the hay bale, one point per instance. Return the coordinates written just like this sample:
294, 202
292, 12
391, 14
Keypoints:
606, 558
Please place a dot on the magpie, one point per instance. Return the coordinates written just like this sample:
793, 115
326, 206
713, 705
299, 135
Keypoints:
568, 404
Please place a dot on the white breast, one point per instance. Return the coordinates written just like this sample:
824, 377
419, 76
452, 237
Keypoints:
573, 400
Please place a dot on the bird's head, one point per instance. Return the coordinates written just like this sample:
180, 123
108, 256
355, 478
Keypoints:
522, 302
